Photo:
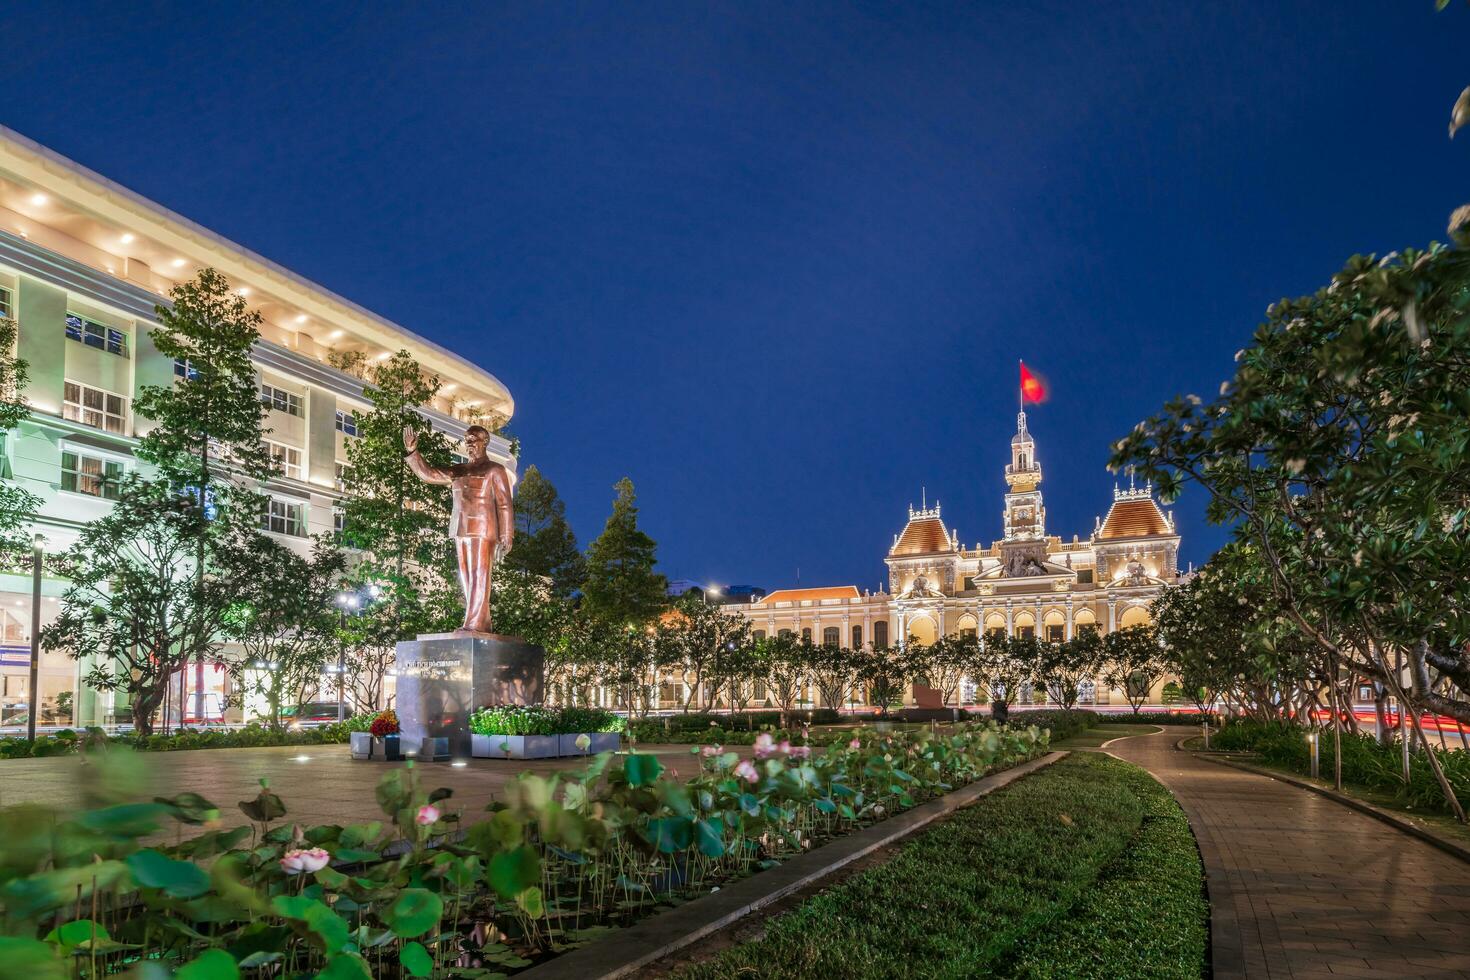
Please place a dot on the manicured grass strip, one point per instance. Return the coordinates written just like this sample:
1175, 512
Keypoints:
1147, 915
1000, 888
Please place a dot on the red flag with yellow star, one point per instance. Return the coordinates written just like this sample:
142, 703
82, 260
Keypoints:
1033, 389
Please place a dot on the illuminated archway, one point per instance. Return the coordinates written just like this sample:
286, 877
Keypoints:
1134, 616
922, 630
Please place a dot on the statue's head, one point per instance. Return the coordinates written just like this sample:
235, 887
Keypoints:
475, 439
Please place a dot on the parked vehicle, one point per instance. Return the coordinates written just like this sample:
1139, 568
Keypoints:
310, 714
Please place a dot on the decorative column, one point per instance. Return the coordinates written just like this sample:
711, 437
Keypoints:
1010, 619
940, 616
1070, 626
1112, 613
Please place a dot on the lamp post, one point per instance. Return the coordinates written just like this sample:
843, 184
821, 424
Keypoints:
345, 601
37, 555
1312, 739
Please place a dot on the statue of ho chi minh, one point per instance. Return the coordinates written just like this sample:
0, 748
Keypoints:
482, 523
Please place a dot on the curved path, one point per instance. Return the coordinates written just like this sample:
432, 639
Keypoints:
1301, 886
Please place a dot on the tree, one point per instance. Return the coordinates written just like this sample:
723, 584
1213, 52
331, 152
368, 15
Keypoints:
942, 664
883, 671
1135, 662
788, 662
135, 610
693, 638
738, 669
395, 525
1004, 673
835, 672
16, 503
621, 585
283, 619
1064, 666
545, 545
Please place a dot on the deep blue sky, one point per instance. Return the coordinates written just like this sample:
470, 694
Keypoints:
777, 262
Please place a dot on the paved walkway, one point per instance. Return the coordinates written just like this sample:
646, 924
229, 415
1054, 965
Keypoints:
318, 783
1301, 886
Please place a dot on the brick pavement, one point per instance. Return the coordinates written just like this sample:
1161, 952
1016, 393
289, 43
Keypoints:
1304, 887
318, 783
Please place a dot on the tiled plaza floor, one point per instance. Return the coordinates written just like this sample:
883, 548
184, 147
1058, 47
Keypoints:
1301, 886
318, 783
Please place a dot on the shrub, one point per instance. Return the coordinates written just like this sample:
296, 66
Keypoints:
534, 719
250, 736
1061, 724
1365, 762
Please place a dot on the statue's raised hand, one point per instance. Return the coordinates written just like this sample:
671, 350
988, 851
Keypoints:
410, 439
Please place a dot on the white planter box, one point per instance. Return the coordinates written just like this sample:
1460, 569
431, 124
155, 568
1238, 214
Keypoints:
361, 744
598, 742
488, 746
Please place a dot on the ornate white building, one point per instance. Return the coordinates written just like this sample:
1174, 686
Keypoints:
1027, 582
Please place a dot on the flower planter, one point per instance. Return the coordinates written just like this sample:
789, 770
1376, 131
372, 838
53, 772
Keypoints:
488, 746
387, 748
531, 746
598, 742
361, 744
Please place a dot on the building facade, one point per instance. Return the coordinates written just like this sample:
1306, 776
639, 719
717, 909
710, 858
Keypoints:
83, 264
1027, 582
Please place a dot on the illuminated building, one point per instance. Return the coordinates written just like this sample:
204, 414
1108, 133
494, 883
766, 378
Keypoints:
1026, 583
83, 263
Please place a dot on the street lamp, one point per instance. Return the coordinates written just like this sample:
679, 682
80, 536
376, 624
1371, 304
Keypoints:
38, 544
345, 601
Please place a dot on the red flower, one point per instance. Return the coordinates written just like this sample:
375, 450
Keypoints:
385, 724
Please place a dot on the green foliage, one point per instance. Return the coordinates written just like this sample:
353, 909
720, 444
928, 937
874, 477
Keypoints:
554, 861
1085, 869
16, 504
251, 736
517, 719
545, 545
622, 588
1365, 762
1062, 724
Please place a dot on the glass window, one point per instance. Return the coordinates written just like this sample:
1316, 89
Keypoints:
857, 637
344, 473
95, 407
280, 399
831, 636
1084, 576
339, 519
880, 633
81, 473
1054, 633
7, 303
98, 335
183, 369
1028, 632
288, 458
347, 423
806, 634
759, 634
284, 517
968, 634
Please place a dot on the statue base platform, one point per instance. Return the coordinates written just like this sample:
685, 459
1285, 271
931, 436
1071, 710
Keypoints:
443, 678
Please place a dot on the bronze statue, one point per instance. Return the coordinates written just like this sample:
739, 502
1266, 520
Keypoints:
483, 522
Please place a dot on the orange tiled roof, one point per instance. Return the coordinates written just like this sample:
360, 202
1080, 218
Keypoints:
800, 595
1134, 519
922, 537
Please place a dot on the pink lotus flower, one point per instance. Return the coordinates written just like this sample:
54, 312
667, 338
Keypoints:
800, 751
855, 744
784, 747
764, 745
427, 814
710, 750
747, 772
308, 861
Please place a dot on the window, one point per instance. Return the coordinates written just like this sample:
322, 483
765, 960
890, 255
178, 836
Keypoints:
880, 633
969, 634
7, 303
1054, 634
344, 473
347, 423
184, 370
280, 399
98, 335
1084, 576
857, 637
1365, 693
806, 634
996, 634
1028, 632
288, 458
339, 520
759, 634
95, 407
785, 634
831, 636
91, 475
284, 517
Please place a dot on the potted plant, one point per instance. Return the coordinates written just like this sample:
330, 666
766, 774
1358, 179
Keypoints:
513, 731
384, 730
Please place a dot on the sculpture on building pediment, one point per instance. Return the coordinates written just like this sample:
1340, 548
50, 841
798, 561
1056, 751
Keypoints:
1137, 574
921, 589
1023, 566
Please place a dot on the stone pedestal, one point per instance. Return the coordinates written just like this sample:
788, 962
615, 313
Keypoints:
444, 677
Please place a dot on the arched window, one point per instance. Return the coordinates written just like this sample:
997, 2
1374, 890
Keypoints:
880, 633
785, 634
857, 637
831, 636
759, 634
806, 633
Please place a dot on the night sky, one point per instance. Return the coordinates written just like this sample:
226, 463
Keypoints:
777, 262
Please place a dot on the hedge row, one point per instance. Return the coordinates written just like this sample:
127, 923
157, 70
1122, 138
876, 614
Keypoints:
68, 741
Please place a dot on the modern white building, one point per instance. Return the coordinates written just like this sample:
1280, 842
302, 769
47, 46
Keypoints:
83, 264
